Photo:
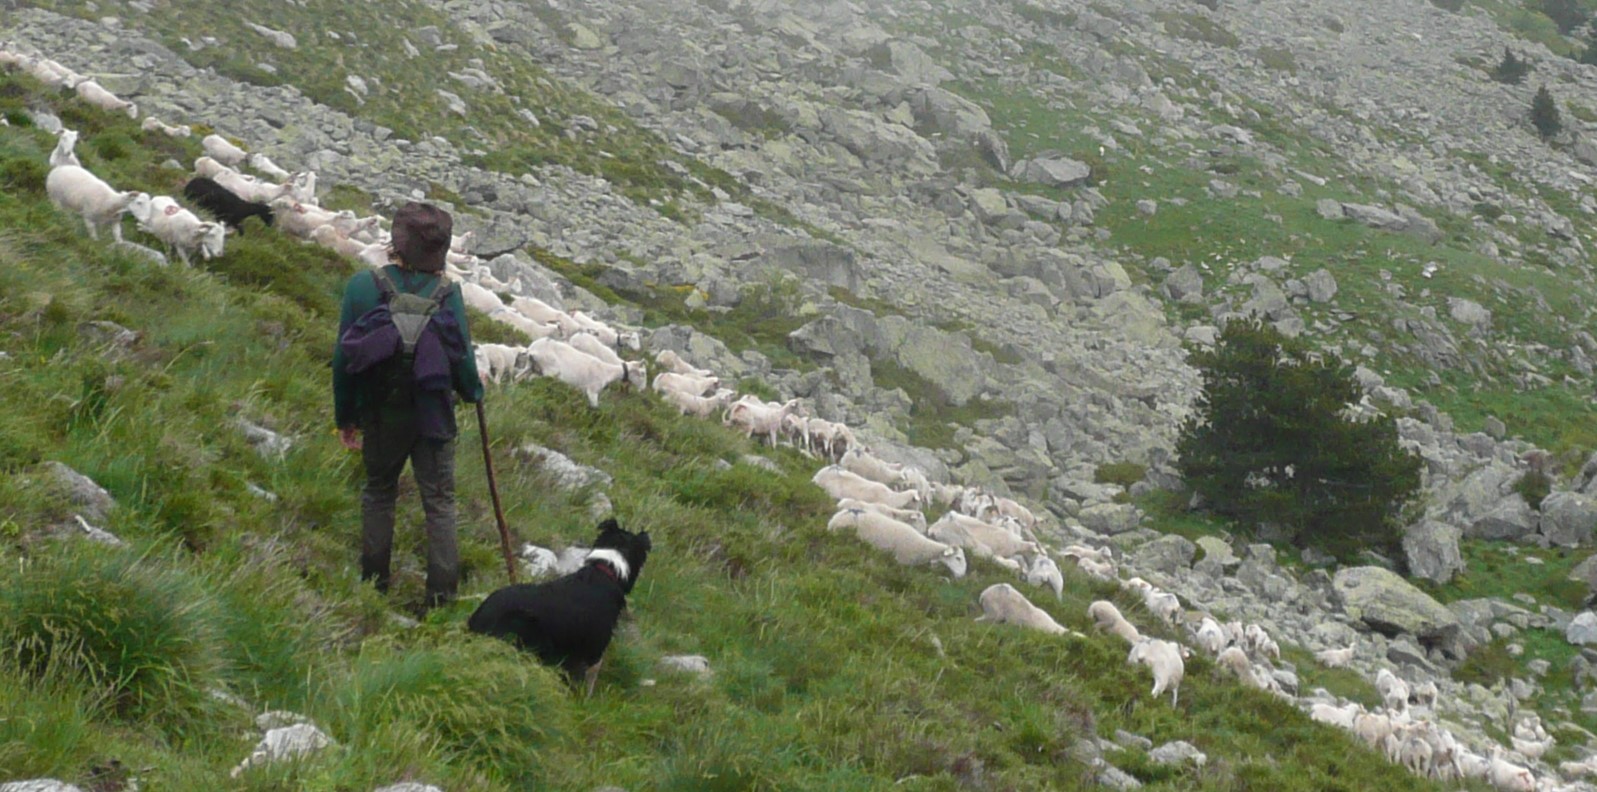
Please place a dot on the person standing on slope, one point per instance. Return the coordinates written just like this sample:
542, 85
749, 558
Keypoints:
404, 352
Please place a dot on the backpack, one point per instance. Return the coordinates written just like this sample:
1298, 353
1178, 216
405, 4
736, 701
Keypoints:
411, 314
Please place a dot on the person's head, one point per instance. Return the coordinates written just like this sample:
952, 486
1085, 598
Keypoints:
421, 236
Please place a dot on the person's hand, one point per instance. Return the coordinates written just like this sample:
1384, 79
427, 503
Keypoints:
350, 437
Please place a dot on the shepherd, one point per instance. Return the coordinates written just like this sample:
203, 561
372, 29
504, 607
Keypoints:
403, 354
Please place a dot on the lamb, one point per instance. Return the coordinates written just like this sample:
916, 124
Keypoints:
588, 343
1107, 617
758, 417
1424, 694
221, 203
670, 361
1164, 658
95, 94
840, 483
153, 124
1336, 658
1001, 603
218, 148
909, 516
869, 466
1011, 508
63, 153
986, 541
581, 370
699, 406
686, 383
461, 243
72, 188
498, 361
796, 430
180, 229
1044, 572
913, 478
903, 541
1372, 728
264, 164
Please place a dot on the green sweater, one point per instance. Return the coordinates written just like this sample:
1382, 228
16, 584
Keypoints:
362, 295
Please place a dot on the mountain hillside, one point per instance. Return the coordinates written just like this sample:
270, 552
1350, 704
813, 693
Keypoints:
983, 234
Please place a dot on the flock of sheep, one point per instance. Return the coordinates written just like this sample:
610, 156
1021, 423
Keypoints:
879, 501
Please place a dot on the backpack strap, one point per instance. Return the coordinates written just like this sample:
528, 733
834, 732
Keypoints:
385, 285
442, 290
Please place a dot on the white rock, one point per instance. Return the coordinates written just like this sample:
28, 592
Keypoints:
289, 742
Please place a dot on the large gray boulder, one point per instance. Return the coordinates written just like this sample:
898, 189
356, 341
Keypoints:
1388, 603
1586, 572
39, 785
1431, 549
1167, 554
1110, 518
814, 260
906, 60
1582, 629
1567, 518
1512, 519
1052, 171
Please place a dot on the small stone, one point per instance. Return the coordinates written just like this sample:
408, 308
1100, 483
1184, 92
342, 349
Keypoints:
1178, 752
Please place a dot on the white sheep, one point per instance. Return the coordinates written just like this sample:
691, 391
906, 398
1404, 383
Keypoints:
1335, 715
983, 539
1236, 661
1164, 658
604, 332
461, 243
699, 406
74, 189
495, 362
831, 437
1098, 570
840, 483
872, 467
477, 297
796, 430
1011, 508
590, 344
264, 165
581, 370
181, 230
1162, 604
153, 124
1210, 637
220, 149
1425, 693
1044, 572
1260, 644
1108, 618
910, 517
1394, 691
64, 153
1507, 776
47, 71
913, 478
1078, 551
686, 383
1001, 603
1336, 658
903, 541
252, 189
669, 360
540, 311
96, 94
328, 237
754, 417
532, 330
297, 217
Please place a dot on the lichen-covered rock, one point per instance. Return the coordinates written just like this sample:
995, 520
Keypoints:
1392, 605
1567, 518
89, 498
1431, 549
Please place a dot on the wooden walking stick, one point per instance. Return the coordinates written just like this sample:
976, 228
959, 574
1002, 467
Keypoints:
493, 490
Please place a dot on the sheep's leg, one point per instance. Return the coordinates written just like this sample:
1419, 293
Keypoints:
94, 232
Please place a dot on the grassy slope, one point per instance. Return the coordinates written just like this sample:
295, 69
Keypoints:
834, 668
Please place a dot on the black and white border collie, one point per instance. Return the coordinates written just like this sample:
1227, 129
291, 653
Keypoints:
569, 621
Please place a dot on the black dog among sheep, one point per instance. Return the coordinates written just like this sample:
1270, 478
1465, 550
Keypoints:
222, 204
569, 621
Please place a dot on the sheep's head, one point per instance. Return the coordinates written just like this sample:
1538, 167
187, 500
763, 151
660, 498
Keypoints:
954, 559
212, 239
631, 340
138, 205
637, 374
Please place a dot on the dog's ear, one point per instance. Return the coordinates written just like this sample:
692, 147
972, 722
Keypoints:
644, 542
609, 526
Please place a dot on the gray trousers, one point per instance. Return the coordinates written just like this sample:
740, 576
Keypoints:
388, 444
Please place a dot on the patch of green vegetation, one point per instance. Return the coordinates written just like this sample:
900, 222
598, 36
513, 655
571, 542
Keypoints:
1501, 570
933, 419
1278, 59
1533, 486
1121, 474
876, 306
1197, 27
